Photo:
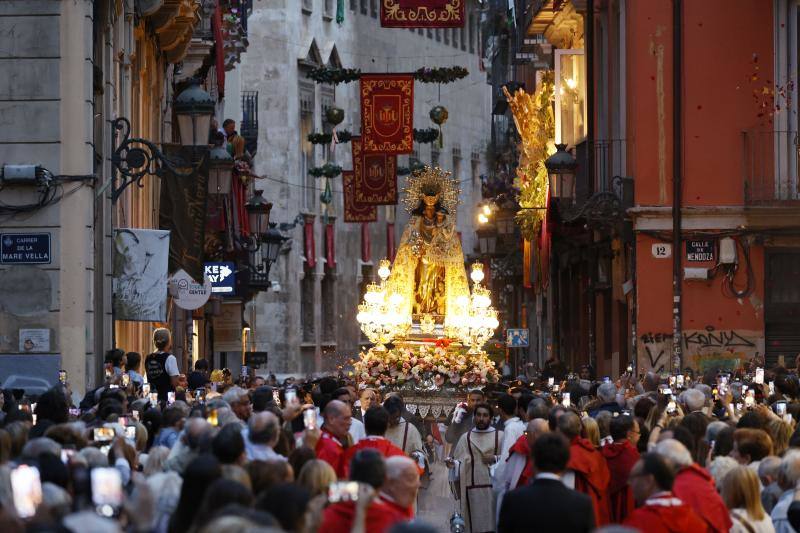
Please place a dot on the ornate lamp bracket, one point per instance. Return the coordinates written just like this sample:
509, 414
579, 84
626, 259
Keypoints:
135, 158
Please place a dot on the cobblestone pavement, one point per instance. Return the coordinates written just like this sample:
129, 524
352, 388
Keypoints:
435, 504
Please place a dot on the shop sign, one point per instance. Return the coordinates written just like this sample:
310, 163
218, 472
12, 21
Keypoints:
700, 251
222, 277
25, 248
256, 358
187, 293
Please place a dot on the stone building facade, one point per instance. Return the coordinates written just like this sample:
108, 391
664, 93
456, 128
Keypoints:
307, 322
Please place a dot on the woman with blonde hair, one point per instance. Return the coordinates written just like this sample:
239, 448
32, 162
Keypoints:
741, 493
591, 431
780, 431
316, 476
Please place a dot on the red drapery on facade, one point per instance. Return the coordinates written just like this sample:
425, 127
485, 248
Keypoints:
219, 49
526, 263
310, 247
544, 248
366, 248
330, 247
487, 273
390, 249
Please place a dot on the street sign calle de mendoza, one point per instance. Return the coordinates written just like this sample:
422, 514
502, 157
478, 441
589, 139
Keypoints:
700, 251
25, 248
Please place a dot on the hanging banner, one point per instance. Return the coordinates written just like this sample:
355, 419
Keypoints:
355, 212
387, 113
390, 248
330, 246
310, 245
422, 13
374, 176
183, 209
139, 282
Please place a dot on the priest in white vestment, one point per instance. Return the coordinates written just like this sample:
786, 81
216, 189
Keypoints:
477, 451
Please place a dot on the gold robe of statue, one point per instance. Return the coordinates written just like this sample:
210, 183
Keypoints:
428, 269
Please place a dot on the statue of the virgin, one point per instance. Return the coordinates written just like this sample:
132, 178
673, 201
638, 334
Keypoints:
428, 269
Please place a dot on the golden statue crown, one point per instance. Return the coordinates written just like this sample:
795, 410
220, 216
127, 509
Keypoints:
431, 182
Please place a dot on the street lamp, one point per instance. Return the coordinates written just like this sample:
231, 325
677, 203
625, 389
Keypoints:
258, 216
273, 240
220, 170
561, 172
134, 158
194, 108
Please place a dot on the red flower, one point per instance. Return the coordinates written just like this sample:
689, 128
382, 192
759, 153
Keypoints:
443, 343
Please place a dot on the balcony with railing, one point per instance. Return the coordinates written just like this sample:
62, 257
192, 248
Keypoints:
249, 127
770, 167
598, 163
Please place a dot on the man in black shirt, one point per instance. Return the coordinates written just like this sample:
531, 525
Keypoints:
161, 366
198, 378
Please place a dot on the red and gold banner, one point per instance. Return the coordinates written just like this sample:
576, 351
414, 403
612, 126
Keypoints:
387, 113
310, 245
422, 13
374, 176
352, 211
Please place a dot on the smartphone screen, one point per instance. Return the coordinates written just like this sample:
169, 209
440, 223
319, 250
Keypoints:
103, 434
145, 389
276, 397
565, 401
310, 419
62, 376
550, 381
290, 395
26, 486
343, 491
771, 388
106, 490
154, 398
212, 418
126, 379
679, 381
671, 407
170, 397
780, 408
130, 433
759, 376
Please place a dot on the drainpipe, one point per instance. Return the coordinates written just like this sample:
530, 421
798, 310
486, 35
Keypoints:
677, 167
590, 172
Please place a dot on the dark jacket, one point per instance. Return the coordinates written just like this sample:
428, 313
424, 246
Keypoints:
545, 505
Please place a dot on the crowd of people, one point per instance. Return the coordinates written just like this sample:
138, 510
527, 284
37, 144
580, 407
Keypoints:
160, 451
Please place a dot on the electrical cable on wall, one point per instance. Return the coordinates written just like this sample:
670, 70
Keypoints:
729, 288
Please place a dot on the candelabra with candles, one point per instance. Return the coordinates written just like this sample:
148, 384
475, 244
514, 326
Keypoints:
479, 322
378, 316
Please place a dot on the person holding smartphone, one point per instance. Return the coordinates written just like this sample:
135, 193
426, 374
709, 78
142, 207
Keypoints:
161, 366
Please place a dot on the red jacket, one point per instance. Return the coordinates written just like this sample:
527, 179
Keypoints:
591, 476
406, 512
696, 488
330, 450
620, 457
384, 447
665, 514
338, 518
521, 447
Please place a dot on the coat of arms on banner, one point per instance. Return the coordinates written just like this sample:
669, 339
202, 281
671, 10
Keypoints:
387, 113
422, 13
354, 212
374, 176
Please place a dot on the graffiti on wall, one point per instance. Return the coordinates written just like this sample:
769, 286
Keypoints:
702, 349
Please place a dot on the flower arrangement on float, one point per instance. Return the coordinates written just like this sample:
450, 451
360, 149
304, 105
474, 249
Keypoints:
424, 367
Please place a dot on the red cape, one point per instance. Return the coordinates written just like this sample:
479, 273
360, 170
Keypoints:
620, 457
521, 447
591, 476
330, 450
338, 518
384, 447
661, 519
696, 488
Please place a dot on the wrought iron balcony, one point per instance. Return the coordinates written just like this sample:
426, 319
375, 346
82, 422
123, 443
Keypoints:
770, 167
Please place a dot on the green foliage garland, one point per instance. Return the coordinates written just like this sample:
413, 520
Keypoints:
328, 170
343, 136
336, 76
